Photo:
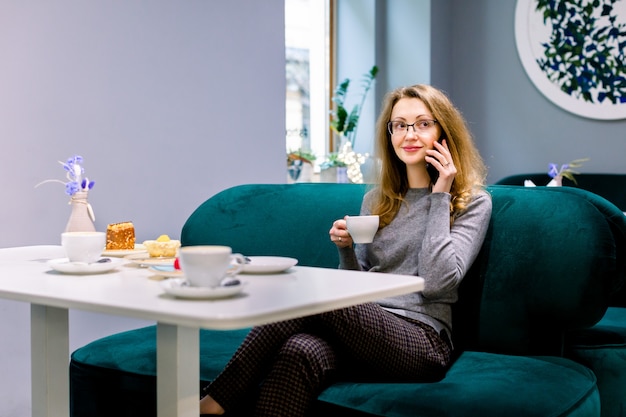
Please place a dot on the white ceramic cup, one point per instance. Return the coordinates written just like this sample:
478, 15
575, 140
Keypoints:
207, 265
84, 247
362, 228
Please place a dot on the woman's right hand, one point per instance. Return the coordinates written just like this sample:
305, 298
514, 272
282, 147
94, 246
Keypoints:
339, 234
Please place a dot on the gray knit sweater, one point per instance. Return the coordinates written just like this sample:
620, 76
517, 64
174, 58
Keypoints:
419, 241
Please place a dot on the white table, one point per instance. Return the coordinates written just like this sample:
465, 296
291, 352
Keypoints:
129, 291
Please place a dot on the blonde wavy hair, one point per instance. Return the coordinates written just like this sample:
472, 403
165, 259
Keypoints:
393, 181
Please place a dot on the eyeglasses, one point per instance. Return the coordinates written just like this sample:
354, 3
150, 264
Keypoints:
398, 127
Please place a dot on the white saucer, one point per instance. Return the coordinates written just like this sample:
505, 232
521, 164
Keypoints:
268, 264
178, 287
120, 253
79, 268
167, 271
145, 259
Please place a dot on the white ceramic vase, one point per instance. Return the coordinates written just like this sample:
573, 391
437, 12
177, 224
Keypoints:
82, 216
555, 182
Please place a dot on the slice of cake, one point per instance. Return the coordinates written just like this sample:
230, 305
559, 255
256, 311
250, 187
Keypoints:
120, 236
163, 246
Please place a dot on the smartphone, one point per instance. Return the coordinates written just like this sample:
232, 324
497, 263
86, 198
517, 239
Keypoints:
432, 171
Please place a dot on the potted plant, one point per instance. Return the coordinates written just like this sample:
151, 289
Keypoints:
300, 165
345, 124
333, 169
566, 171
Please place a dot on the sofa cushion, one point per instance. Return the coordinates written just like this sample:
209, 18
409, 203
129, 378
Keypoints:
134, 351
603, 349
478, 384
117, 374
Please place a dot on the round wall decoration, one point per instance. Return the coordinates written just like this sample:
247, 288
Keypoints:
574, 52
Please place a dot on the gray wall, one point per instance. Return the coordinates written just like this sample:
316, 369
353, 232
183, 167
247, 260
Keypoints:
518, 130
168, 101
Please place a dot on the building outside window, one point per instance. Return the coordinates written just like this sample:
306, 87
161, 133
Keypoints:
307, 52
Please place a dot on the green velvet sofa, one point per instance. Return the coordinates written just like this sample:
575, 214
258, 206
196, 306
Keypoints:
551, 261
602, 347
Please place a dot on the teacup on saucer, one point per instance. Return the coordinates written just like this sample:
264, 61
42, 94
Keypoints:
66, 266
179, 287
207, 266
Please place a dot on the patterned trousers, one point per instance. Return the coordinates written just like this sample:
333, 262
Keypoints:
281, 368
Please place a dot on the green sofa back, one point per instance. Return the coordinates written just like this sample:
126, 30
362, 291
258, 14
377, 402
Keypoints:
610, 186
550, 262
290, 220
551, 258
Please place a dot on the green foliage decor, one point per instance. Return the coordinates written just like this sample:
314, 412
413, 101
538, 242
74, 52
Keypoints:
342, 122
585, 54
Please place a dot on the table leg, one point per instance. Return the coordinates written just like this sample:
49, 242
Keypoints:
49, 343
178, 371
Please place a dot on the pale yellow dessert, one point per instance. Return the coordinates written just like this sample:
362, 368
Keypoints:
162, 247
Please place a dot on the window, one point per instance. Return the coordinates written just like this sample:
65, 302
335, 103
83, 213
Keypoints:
307, 52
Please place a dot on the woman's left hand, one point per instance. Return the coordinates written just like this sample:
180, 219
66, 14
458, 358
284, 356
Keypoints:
441, 159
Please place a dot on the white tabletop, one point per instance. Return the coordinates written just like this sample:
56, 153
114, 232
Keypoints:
129, 291
132, 291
